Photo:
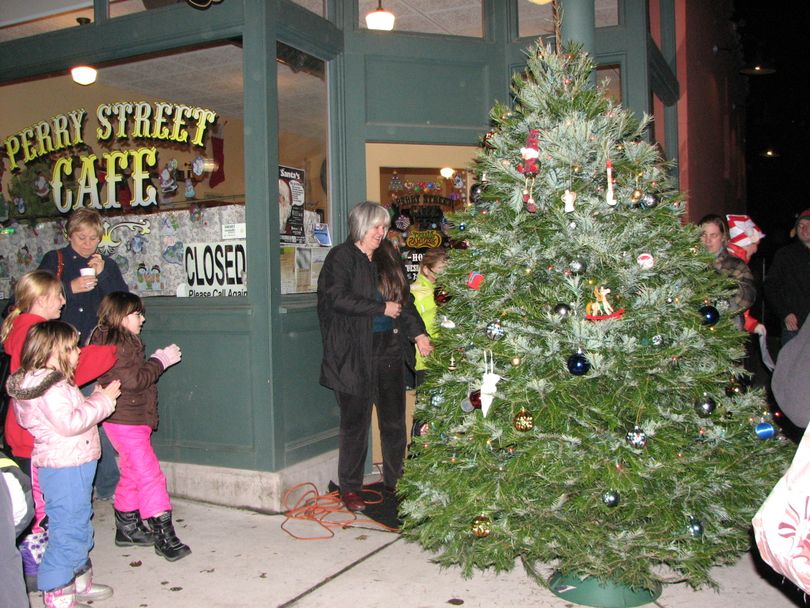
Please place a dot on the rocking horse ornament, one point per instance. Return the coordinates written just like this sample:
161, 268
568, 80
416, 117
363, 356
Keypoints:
601, 308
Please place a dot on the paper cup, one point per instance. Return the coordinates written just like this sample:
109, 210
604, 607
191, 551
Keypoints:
87, 272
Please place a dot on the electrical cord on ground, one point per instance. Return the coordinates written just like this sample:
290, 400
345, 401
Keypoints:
325, 510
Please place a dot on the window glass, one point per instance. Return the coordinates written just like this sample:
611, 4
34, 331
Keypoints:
22, 18
609, 81
305, 221
449, 17
156, 146
538, 19
316, 6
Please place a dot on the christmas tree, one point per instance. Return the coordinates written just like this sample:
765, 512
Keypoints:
583, 409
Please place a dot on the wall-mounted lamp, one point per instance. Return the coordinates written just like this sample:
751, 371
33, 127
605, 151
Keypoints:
380, 19
447, 172
83, 74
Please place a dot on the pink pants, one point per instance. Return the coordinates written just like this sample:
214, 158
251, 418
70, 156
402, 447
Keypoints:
39, 500
142, 486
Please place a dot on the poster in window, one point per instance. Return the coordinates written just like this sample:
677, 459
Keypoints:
291, 198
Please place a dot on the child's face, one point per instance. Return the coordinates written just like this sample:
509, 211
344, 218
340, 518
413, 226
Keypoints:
50, 306
133, 322
73, 357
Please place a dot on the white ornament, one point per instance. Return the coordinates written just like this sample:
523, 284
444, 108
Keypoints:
569, 198
488, 383
610, 199
447, 323
646, 261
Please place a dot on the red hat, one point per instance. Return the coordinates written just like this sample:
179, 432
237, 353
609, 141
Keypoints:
742, 231
804, 215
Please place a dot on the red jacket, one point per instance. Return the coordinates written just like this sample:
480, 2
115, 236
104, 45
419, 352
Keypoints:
93, 361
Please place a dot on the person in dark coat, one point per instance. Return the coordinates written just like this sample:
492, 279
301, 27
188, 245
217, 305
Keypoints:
787, 286
369, 326
83, 294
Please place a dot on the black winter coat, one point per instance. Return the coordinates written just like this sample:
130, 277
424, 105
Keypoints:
347, 304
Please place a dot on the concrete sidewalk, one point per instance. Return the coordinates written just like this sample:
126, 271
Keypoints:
245, 559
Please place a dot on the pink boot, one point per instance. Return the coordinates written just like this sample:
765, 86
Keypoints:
64, 597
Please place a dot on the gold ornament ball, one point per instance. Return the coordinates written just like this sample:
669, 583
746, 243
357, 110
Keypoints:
516, 361
523, 421
636, 195
577, 168
481, 526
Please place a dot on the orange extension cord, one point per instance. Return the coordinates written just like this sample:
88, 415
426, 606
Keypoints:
325, 510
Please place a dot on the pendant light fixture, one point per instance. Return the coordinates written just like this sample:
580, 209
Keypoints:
380, 19
83, 74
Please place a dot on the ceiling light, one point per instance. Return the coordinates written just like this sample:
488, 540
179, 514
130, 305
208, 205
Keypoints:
447, 172
540, 1
83, 74
380, 19
769, 153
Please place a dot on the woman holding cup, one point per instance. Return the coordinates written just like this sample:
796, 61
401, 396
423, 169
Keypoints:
86, 274
87, 277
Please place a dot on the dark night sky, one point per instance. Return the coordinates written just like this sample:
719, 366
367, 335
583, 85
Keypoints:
777, 113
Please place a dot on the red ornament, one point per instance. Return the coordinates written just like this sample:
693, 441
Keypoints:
530, 153
475, 399
475, 280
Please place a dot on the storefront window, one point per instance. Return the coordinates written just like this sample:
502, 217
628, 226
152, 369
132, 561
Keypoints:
609, 81
316, 6
450, 18
156, 146
22, 18
538, 19
305, 222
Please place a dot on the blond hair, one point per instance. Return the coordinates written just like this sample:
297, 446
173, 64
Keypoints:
84, 218
43, 340
29, 287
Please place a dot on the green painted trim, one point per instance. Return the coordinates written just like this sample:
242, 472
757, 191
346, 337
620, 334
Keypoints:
171, 27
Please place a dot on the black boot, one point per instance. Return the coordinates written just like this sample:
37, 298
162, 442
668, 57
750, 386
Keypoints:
130, 530
166, 542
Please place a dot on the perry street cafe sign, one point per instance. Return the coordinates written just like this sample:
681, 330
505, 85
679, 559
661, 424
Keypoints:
161, 121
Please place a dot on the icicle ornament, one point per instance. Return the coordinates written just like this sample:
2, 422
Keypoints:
488, 382
610, 198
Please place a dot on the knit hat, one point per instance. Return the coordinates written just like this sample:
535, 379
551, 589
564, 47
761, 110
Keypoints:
804, 215
742, 231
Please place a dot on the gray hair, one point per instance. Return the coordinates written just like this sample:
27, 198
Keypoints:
364, 216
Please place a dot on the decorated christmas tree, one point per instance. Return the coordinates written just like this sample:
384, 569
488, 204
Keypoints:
585, 408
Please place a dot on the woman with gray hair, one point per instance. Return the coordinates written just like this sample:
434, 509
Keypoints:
368, 325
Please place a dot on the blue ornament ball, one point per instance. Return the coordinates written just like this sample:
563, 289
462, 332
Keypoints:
765, 430
578, 364
709, 315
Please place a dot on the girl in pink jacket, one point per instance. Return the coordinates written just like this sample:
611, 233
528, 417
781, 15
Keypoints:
66, 447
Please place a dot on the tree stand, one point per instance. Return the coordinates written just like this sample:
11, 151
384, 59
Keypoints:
600, 593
